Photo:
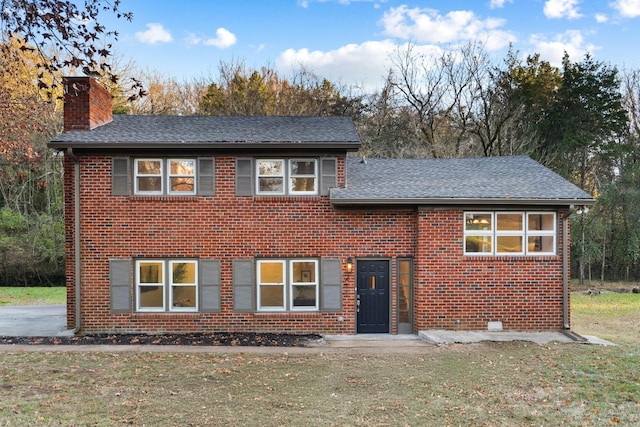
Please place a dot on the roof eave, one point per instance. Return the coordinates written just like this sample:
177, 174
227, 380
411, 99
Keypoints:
59, 144
462, 201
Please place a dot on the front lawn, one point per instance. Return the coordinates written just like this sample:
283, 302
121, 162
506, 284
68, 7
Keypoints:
30, 296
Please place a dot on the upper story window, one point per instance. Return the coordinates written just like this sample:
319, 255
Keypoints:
509, 233
165, 176
286, 176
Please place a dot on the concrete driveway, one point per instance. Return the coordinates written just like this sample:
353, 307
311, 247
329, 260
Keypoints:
33, 320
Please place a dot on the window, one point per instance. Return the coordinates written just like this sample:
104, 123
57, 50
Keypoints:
508, 233
295, 176
182, 176
287, 285
159, 281
151, 179
148, 176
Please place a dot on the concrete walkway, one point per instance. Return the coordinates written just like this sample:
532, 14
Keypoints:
50, 320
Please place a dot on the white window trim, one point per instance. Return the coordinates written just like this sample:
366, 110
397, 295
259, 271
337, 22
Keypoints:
314, 176
166, 284
137, 175
260, 285
287, 177
292, 285
162, 284
288, 286
165, 177
283, 177
542, 233
172, 285
526, 233
170, 175
510, 233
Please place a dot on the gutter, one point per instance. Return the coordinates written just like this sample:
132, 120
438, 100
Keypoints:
565, 268
76, 237
459, 201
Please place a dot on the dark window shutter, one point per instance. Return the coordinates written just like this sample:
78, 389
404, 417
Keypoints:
206, 176
243, 290
244, 177
328, 175
209, 286
330, 284
120, 285
120, 176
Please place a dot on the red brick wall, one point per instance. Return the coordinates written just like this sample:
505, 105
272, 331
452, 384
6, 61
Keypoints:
523, 293
86, 104
222, 227
466, 292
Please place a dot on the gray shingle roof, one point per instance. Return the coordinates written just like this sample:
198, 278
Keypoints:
214, 131
490, 180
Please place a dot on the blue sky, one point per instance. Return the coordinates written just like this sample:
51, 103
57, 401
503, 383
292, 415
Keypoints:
352, 41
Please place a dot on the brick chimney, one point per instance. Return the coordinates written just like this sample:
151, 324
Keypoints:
87, 104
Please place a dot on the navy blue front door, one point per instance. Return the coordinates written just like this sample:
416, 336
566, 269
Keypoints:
373, 296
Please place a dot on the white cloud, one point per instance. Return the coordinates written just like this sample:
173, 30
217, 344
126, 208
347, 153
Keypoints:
428, 26
364, 64
224, 39
556, 9
627, 8
155, 33
601, 18
498, 4
570, 42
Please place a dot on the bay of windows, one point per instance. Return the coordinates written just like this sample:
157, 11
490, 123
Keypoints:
166, 285
165, 176
287, 285
292, 176
509, 233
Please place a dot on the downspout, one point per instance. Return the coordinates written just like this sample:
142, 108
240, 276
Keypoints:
76, 237
565, 268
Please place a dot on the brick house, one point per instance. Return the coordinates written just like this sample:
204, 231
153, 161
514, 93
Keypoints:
264, 224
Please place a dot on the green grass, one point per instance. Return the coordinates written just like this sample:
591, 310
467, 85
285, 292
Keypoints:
613, 316
494, 384
499, 384
29, 296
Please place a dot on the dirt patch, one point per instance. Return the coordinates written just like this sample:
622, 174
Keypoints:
196, 339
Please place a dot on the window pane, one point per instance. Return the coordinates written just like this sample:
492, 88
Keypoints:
151, 297
272, 296
304, 296
271, 185
509, 243
182, 167
478, 221
182, 184
149, 184
272, 272
304, 272
184, 296
303, 167
477, 244
149, 167
184, 272
541, 244
270, 167
150, 272
541, 222
303, 184
509, 221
